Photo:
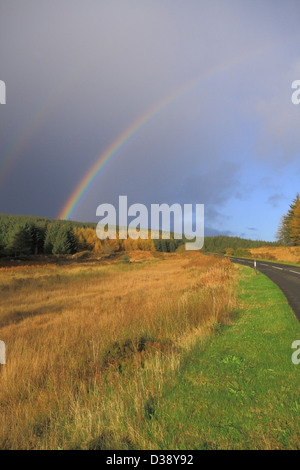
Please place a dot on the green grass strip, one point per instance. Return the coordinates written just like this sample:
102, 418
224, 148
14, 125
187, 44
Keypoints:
240, 391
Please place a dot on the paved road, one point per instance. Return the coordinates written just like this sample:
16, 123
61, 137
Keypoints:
285, 276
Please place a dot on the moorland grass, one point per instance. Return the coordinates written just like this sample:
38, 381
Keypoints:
90, 347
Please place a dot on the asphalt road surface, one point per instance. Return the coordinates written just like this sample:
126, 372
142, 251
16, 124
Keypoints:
285, 276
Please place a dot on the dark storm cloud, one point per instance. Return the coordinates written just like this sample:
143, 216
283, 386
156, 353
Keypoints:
78, 73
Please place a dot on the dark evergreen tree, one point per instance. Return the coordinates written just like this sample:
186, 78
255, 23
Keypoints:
38, 238
157, 244
50, 237
164, 245
20, 241
65, 241
2, 249
172, 246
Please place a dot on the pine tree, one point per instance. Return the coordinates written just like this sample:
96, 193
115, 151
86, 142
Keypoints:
50, 237
60, 239
295, 225
38, 237
172, 245
284, 230
20, 241
65, 241
2, 250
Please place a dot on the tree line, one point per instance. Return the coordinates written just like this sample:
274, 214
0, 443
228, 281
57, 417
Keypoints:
233, 245
26, 235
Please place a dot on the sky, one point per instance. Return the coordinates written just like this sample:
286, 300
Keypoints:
187, 101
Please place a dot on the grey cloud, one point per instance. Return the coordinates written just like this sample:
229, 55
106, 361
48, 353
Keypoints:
278, 140
275, 199
79, 73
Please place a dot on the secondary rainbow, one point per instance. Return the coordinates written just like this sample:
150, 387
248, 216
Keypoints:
80, 190
35, 121
89, 177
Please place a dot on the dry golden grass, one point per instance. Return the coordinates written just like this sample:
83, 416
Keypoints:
90, 346
279, 253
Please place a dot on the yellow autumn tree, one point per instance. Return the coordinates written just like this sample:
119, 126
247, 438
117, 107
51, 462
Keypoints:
79, 233
87, 239
295, 224
288, 230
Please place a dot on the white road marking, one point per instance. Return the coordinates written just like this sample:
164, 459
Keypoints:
276, 267
296, 272
264, 264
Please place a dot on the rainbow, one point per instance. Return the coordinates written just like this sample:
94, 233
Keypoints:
110, 151
9, 159
85, 183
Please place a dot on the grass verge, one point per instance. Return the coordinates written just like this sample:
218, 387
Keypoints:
241, 390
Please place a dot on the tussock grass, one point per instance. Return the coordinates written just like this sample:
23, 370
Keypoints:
91, 347
289, 254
